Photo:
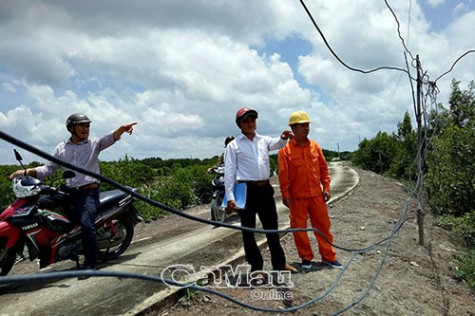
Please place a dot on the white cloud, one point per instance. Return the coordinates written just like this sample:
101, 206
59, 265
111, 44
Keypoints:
435, 3
181, 69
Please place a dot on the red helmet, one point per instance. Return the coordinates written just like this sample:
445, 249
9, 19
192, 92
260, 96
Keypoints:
244, 113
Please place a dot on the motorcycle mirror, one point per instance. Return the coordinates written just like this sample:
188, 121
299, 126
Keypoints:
68, 174
17, 155
19, 158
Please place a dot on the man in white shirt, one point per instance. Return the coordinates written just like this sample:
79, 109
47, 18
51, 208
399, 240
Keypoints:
83, 152
247, 160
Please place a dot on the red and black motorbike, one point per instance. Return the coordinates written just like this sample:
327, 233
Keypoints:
28, 231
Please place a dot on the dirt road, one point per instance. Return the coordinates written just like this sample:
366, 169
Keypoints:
396, 278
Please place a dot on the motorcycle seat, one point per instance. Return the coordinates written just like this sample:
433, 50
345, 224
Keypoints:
107, 197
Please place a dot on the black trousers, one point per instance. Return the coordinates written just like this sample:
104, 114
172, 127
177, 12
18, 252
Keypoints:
260, 201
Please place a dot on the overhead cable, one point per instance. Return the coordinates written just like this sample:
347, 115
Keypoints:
398, 29
453, 65
167, 208
336, 56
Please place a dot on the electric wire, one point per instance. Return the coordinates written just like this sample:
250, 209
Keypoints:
453, 65
432, 88
398, 29
120, 274
408, 19
422, 142
336, 56
167, 208
127, 275
412, 87
405, 53
56, 275
370, 285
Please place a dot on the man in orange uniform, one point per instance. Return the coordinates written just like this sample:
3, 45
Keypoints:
305, 186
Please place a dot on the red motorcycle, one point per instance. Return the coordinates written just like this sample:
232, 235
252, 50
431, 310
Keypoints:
28, 231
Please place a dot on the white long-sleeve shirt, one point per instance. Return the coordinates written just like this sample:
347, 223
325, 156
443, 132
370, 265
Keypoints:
84, 155
247, 160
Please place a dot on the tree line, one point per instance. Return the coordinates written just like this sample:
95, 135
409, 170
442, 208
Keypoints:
178, 183
449, 170
448, 165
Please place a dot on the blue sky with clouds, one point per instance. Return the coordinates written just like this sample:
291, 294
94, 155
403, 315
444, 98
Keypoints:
182, 68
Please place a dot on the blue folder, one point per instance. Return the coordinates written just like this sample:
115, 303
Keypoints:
239, 195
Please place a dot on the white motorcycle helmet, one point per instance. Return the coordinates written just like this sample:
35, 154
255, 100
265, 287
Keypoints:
26, 186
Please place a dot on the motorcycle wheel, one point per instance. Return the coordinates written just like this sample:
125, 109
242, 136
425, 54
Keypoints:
7, 262
217, 213
114, 238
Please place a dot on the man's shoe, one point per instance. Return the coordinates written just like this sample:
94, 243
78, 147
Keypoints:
259, 278
334, 264
306, 264
290, 268
85, 277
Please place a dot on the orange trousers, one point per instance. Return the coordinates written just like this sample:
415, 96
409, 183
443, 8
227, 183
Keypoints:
316, 209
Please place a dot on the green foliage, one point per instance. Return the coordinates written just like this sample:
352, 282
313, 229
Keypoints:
201, 184
6, 193
346, 155
376, 154
403, 164
329, 154
176, 183
167, 167
184, 188
274, 166
464, 268
450, 180
127, 172
132, 173
462, 105
174, 192
462, 226
394, 155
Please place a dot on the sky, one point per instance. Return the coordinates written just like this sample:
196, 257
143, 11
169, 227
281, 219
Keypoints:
182, 68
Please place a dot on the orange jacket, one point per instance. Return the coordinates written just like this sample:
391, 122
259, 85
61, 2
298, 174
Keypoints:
302, 169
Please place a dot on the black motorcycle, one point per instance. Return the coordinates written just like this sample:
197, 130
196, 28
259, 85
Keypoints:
218, 212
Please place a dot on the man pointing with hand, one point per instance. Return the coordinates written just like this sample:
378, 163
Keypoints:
247, 160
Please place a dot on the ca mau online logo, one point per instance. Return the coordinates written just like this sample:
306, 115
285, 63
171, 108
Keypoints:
225, 277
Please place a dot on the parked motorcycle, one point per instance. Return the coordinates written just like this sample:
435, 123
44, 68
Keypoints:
218, 213
28, 231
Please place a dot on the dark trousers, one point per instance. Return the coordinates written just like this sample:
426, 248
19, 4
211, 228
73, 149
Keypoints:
260, 201
81, 207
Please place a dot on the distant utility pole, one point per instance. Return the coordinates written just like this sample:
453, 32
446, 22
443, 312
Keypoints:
338, 149
420, 140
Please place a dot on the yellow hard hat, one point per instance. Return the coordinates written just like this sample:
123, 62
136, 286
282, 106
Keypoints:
298, 117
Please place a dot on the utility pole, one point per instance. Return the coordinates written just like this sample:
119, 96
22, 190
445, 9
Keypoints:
419, 212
